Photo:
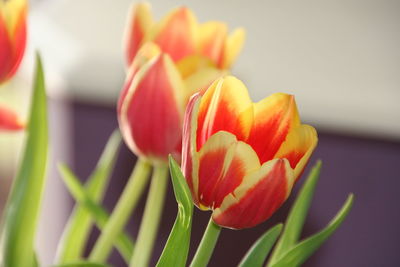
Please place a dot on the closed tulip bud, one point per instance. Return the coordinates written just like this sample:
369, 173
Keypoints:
151, 110
12, 36
241, 158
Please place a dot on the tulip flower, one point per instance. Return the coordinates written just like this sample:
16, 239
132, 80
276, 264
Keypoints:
241, 158
151, 112
168, 62
9, 121
12, 36
180, 35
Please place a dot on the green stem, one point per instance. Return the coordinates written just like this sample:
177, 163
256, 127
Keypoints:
207, 245
151, 217
122, 211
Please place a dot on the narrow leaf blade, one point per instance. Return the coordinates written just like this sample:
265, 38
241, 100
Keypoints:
79, 224
176, 249
123, 242
303, 250
257, 254
25, 198
297, 215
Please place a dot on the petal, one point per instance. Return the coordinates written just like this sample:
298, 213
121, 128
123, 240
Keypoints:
12, 37
19, 40
176, 34
258, 197
212, 36
151, 113
9, 120
146, 52
190, 161
298, 147
201, 80
232, 48
191, 64
139, 22
225, 106
212, 157
223, 163
274, 117
6, 53
13, 12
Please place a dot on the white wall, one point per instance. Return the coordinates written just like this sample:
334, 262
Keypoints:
340, 58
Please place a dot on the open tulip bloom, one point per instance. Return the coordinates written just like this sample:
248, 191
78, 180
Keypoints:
240, 158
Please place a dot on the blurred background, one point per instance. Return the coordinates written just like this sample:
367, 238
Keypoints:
341, 59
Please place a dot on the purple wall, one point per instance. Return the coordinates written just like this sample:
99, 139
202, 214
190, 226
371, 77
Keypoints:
369, 236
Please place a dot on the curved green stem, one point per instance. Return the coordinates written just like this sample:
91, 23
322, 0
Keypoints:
122, 211
207, 245
151, 217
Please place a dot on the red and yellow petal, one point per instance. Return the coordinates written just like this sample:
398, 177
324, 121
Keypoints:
233, 46
223, 163
138, 24
9, 121
201, 80
13, 12
6, 51
176, 34
213, 157
192, 64
19, 41
298, 147
190, 162
146, 52
258, 197
225, 106
12, 37
212, 36
151, 114
274, 117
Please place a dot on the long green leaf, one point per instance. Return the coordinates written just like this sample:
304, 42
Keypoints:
82, 264
123, 242
176, 249
257, 254
78, 227
24, 203
297, 215
303, 250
